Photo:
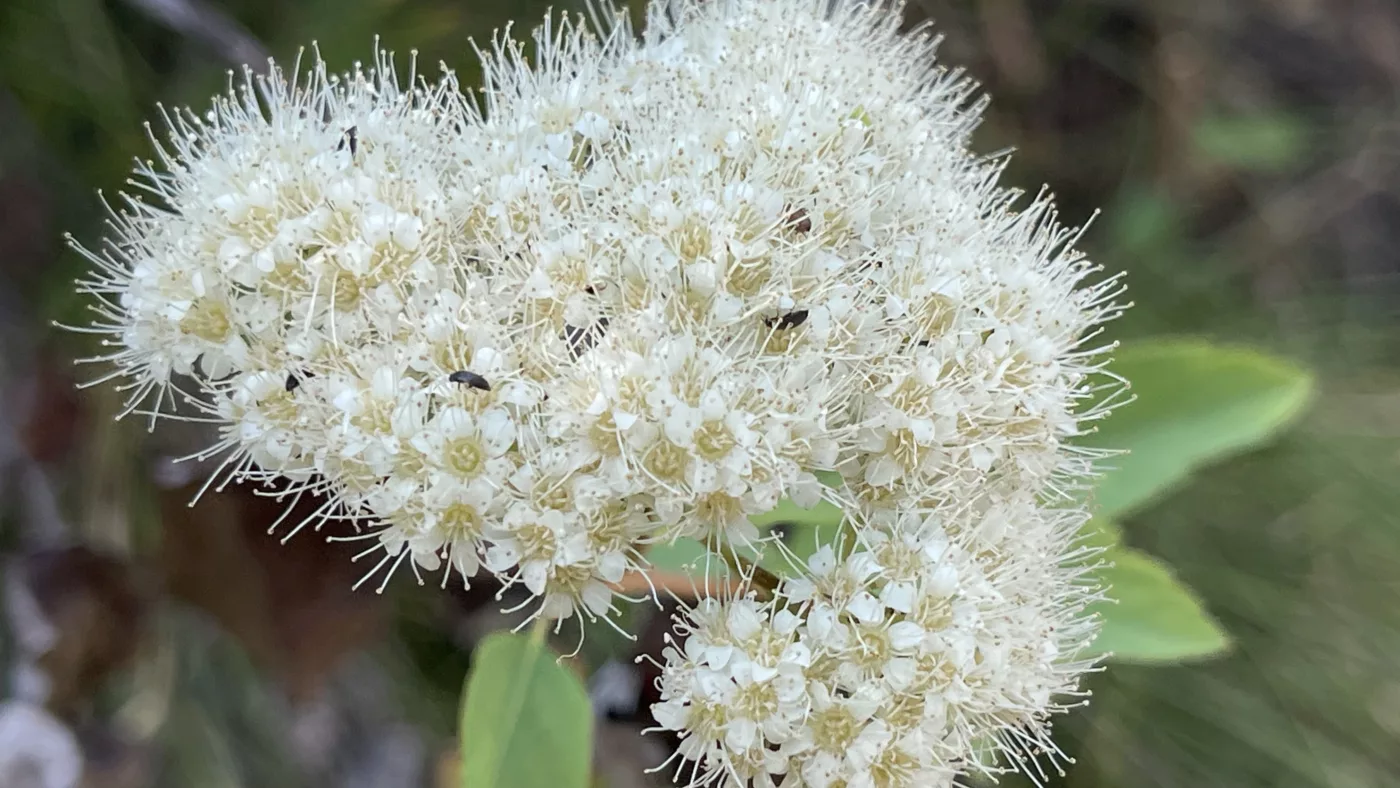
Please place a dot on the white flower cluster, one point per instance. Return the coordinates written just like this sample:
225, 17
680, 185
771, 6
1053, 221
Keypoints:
645, 288
897, 663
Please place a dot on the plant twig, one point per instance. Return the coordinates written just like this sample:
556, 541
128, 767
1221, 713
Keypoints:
757, 576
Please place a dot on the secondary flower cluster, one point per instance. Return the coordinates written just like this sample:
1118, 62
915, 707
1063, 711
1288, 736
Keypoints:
928, 643
643, 289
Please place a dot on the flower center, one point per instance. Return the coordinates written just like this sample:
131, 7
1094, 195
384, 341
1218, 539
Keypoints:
287, 277
461, 522
719, 508
894, 767
934, 615
872, 648
899, 559
410, 462
603, 435
280, 409
906, 712
608, 529
346, 288
746, 278
666, 461
834, 729
465, 456
632, 393
551, 493
571, 578
693, 241
207, 319
713, 440
375, 418
537, 542
757, 701
903, 449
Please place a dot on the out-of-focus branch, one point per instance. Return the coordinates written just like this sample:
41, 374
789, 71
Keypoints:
1012, 43
203, 22
21, 476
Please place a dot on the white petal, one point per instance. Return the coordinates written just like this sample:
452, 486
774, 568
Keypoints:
905, 635
672, 715
597, 598
866, 608
497, 431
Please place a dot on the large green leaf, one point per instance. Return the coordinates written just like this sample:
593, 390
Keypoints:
824, 513
1101, 532
807, 530
802, 540
1151, 617
688, 556
526, 719
1196, 403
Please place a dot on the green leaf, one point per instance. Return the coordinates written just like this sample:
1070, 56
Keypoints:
686, 555
804, 539
1261, 141
526, 719
1145, 223
681, 555
1196, 403
824, 513
809, 529
1151, 617
1101, 532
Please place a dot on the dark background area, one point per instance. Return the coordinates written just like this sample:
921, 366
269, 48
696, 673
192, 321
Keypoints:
1244, 155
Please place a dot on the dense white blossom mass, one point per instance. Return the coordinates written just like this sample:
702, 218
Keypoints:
644, 288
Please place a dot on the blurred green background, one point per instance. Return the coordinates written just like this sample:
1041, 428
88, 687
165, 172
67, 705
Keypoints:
1244, 156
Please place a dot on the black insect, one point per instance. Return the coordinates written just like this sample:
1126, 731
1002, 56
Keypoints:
350, 138
790, 320
292, 382
581, 340
799, 221
471, 379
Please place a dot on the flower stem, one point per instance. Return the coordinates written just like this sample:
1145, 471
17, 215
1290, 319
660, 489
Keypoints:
750, 571
538, 630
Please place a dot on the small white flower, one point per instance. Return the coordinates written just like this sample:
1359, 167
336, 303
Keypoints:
36, 749
466, 445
